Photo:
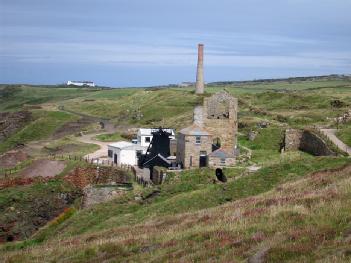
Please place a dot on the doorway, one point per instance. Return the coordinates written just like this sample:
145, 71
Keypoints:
203, 160
115, 158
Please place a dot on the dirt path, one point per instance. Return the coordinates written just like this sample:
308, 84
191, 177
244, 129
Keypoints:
44, 168
330, 133
89, 138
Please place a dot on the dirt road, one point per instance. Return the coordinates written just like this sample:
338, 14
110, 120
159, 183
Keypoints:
44, 168
101, 153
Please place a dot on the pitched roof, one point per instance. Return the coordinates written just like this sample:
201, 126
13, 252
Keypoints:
161, 157
220, 153
195, 131
121, 144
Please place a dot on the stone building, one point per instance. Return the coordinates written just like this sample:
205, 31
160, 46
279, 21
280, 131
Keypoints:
212, 139
194, 145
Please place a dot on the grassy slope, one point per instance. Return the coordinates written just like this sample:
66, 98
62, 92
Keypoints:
194, 190
44, 124
37, 95
344, 133
110, 137
304, 210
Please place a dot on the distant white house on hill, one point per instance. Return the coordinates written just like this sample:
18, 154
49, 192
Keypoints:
80, 83
125, 152
144, 136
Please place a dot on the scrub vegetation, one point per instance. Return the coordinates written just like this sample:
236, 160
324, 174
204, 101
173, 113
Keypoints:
295, 208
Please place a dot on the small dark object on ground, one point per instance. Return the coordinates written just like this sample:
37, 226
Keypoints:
220, 175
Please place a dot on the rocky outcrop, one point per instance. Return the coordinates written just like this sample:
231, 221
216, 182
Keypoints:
11, 122
306, 141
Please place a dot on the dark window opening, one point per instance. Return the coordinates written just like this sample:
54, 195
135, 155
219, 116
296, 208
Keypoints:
147, 139
216, 144
198, 139
110, 153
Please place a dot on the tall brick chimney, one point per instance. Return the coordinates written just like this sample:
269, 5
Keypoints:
200, 86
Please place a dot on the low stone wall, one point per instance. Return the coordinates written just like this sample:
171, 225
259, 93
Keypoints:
95, 195
84, 176
313, 144
306, 141
216, 162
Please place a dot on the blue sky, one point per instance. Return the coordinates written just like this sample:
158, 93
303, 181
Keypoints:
142, 43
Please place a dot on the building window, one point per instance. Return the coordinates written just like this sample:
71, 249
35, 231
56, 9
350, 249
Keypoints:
191, 161
222, 160
147, 139
198, 139
110, 153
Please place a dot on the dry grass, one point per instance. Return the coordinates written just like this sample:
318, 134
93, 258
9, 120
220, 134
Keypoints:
302, 221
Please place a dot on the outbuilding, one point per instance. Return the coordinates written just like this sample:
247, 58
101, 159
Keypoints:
125, 153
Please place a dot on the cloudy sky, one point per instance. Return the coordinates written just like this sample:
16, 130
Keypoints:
141, 43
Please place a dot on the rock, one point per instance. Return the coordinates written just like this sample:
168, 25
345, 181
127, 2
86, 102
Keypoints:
259, 257
252, 135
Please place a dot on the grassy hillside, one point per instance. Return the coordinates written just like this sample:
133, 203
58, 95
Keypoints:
173, 224
43, 125
282, 212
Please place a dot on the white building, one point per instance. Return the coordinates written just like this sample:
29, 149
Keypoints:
81, 83
125, 152
144, 136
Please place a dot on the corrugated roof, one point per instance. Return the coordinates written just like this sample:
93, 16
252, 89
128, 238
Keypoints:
195, 131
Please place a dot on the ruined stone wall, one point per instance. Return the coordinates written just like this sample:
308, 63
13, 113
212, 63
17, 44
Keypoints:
306, 141
216, 162
313, 144
220, 119
192, 150
83, 176
158, 174
173, 147
292, 139
181, 148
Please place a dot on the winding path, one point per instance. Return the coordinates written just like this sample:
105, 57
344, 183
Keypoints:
330, 133
102, 152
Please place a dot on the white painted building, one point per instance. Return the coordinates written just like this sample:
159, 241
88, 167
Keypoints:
80, 83
125, 152
144, 136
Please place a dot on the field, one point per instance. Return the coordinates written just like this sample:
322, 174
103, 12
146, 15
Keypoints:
295, 208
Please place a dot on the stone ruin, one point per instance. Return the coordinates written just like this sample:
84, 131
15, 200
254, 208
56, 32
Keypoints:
306, 141
212, 138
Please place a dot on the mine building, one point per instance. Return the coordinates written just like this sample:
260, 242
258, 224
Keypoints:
158, 153
145, 135
125, 153
212, 138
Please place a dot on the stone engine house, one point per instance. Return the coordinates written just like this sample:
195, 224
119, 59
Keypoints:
212, 138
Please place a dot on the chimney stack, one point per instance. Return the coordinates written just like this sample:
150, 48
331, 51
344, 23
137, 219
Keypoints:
200, 86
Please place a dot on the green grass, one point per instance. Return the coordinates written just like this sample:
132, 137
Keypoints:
191, 191
45, 123
32, 95
344, 133
69, 145
109, 137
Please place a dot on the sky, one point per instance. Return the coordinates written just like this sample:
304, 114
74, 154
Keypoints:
122, 43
